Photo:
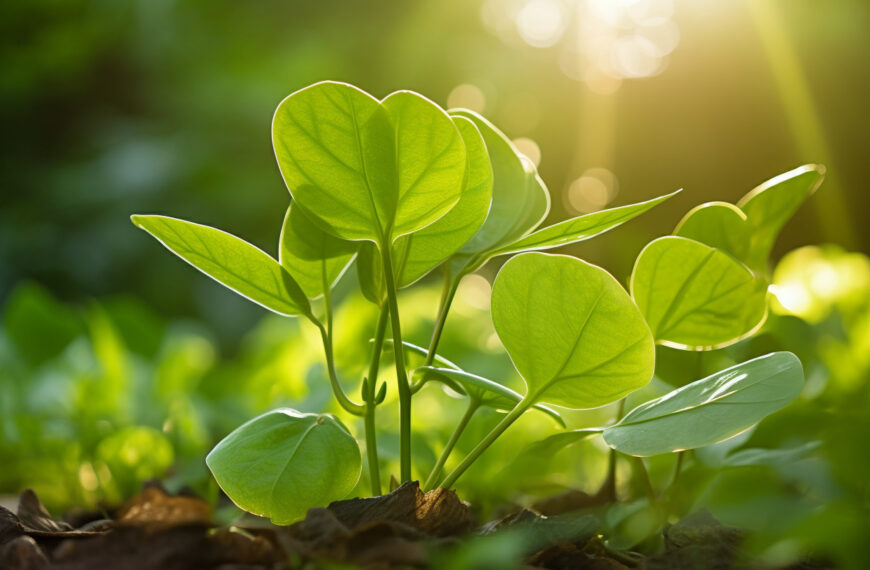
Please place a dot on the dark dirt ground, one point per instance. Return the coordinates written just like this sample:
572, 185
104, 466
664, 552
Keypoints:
404, 529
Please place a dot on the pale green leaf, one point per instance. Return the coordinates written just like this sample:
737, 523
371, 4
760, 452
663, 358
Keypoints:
695, 296
230, 261
769, 206
580, 228
711, 409
313, 257
520, 200
364, 169
485, 391
282, 463
720, 225
418, 253
572, 331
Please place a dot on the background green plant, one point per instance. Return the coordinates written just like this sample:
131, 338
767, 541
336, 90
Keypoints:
132, 106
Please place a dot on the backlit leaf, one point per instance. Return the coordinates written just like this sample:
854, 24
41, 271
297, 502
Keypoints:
769, 206
282, 463
572, 331
694, 296
580, 228
313, 257
487, 392
711, 409
520, 200
418, 253
720, 225
230, 261
368, 170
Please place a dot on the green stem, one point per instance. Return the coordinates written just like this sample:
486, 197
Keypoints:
447, 294
512, 416
645, 480
345, 402
432, 480
678, 466
404, 388
371, 405
608, 488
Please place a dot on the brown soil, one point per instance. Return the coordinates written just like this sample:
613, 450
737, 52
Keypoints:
404, 529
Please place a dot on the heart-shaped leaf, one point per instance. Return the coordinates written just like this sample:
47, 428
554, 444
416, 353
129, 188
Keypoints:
485, 391
580, 228
418, 253
711, 409
282, 463
232, 262
520, 200
695, 296
769, 206
313, 257
368, 170
720, 225
572, 331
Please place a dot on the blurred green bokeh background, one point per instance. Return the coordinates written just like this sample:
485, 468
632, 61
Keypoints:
111, 108
111, 347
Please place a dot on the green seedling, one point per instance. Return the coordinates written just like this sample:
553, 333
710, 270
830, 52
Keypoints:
403, 187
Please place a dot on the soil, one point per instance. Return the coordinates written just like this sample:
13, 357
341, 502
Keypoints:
403, 529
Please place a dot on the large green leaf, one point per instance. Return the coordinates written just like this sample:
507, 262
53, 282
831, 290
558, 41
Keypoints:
230, 261
580, 228
368, 170
720, 225
769, 206
485, 391
284, 462
418, 253
572, 331
313, 257
711, 409
695, 296
520, 200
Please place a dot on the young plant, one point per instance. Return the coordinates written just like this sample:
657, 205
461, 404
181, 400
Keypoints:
404, 187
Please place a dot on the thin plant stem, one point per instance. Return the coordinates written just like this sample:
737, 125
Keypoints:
345, 402
512, 416
645, 480
608, 488
678, 466
447, 295
404, 388
371, 405
432, 480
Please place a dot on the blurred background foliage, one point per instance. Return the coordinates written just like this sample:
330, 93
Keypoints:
119, 363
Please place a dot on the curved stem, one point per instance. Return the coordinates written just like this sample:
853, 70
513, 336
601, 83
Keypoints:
345, 402
678, 466
447, 294
404, 387
371, 405
432, 480
645, 480
512, 416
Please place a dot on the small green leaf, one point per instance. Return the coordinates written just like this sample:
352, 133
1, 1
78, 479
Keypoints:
771, 457
368, 170
769, 206
711, 409
418, 253
572, 331
282, 463
313, 257
720, 225
370, 273
488, 393
580, 228
553, 444
694, 296
520, 200
232, 262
